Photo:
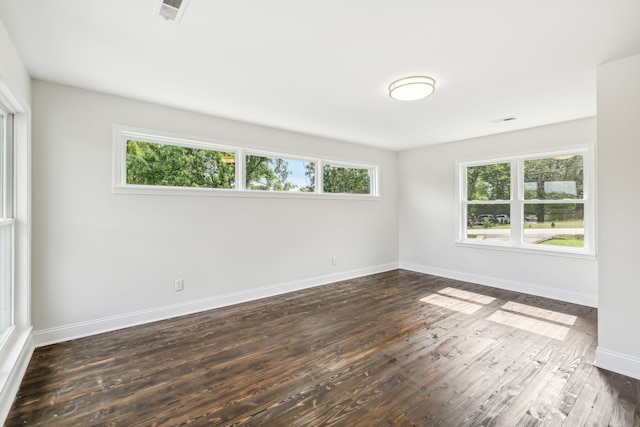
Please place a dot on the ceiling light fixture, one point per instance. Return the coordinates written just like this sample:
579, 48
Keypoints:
412, 88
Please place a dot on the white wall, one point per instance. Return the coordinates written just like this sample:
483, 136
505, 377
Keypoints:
619, 206
427, 217
13, 75
104, 260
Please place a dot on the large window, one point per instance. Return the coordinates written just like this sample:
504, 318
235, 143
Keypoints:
6, 225
536, 202
158, 163
150, 163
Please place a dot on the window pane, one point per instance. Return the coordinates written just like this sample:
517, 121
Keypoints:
554, 178
149, 163
6, 262
489, 182
338, 179
2, 168
489, 221
279, 174
6, 239
557, 224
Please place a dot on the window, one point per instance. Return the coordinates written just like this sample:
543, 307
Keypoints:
488, 199
347, 180
146, 162
150, 163
267, 173
6, 225
538, 202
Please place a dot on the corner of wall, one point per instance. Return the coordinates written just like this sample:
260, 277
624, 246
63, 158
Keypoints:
617, 362
509, 285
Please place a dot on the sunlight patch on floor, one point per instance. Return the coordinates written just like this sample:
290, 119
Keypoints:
466, 295
537, 320
541, 313
452, 303
540, 327
458, 300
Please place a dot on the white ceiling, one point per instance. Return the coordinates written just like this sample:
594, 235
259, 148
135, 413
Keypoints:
323, 67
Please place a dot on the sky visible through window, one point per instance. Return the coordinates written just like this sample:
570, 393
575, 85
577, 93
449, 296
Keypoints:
298, 177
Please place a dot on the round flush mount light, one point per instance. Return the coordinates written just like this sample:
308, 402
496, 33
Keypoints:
412, 88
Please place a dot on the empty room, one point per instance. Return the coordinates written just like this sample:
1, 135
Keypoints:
298, 213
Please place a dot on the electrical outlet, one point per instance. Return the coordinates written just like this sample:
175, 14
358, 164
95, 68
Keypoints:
178, 285
334, 261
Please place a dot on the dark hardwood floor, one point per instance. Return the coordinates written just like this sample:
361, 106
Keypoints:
397, 348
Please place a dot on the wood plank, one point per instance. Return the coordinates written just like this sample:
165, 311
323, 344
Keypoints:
396, 348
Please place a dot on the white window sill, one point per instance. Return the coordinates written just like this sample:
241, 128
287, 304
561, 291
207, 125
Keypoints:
209, 192
529, 249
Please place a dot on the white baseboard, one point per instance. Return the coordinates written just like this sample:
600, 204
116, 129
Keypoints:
12, 369
112, 323
617, 362
527, 288
107, 324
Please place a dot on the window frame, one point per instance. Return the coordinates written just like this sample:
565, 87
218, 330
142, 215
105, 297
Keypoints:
122, 133
7, 223
517, 202
17, 345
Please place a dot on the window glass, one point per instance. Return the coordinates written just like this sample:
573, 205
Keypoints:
557, 224
486, 185
489, 182
340, 179
6, 233
6, 278
554, 178
150, 163
279, 174
489, 221
2, 167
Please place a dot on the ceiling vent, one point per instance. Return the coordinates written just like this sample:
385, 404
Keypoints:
171, 10
504, 119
